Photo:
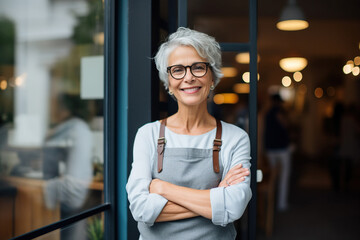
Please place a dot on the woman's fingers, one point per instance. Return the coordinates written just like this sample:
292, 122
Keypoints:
237, 178
234, 170
236, 181
236, 174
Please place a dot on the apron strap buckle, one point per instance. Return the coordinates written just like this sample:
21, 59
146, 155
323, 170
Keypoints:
161, 145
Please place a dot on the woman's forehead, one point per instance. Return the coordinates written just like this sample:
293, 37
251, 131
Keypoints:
184, 55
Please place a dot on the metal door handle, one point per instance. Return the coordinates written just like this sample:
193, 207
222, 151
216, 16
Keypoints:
259, 176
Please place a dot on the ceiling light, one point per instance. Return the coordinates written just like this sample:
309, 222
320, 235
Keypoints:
347, 69
351, 63
246, 77
319, 92
297, 76
226, 98
355, 71
293, 64
292, 18
286, 81
244, 58
357, 60
3, 85
241, 88
229, 71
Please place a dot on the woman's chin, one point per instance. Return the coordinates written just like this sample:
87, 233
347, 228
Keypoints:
191, 101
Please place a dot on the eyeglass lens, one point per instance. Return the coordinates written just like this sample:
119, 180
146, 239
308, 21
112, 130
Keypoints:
197, 69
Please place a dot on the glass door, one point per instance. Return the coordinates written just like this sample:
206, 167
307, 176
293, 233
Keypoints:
51, 115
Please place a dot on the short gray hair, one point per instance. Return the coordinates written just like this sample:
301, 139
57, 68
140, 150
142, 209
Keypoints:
206, 46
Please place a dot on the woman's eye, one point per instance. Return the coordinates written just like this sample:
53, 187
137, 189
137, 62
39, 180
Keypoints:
198, 68
177, 70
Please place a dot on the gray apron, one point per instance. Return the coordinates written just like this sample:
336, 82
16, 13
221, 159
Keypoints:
193, 168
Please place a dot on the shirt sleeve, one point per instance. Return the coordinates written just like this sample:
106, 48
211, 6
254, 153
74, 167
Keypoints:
229, 203
144, 206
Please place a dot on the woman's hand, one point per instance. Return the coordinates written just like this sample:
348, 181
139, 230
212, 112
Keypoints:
236, 175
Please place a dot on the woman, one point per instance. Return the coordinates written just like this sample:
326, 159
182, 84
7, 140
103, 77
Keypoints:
190, 175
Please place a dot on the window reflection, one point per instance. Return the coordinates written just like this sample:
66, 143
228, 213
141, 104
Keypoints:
91, 228
51, 114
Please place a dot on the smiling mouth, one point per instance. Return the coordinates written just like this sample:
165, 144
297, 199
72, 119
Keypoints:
191, 90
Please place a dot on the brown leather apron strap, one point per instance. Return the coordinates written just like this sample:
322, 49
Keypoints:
161, 145
217, 146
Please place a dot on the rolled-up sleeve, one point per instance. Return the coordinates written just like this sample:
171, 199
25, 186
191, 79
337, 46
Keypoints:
229, 203
144, 206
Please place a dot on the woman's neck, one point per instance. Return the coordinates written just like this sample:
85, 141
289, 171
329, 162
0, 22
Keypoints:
191, 120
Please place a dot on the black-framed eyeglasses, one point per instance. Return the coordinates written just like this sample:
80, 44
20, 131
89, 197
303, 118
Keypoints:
198, 69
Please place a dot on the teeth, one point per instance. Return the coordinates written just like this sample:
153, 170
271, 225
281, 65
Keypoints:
191, 89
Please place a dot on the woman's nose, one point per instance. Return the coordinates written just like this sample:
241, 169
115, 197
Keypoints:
188, 76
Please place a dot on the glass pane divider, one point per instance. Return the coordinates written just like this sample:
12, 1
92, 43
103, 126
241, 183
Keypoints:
64, 222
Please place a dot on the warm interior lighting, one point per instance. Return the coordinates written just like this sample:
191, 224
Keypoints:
319, 92
246, 77
3, 84
244, 58
99, 38
351, 63
20, 80
241, 88
297, 76
292, 18
219, 99
293, 64
357, 60
229, 71
226, 98
292, 25
286, 81
355, 71
347, 69
287, 94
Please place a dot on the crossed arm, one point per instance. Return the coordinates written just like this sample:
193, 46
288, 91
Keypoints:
186, 202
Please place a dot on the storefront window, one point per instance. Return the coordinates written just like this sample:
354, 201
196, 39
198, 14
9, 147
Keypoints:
51, 111
91, 228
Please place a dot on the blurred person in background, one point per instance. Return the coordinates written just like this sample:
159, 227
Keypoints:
72, 137
277, 147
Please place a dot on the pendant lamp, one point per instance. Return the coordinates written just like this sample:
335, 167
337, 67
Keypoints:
292, 18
